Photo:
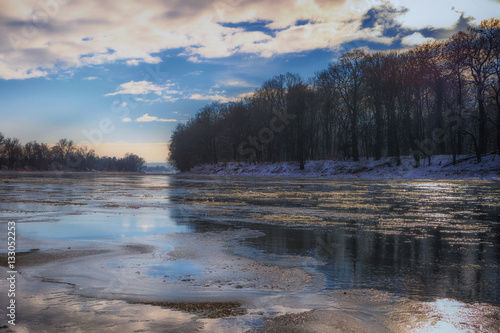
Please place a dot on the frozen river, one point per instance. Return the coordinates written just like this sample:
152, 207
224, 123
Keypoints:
184, 253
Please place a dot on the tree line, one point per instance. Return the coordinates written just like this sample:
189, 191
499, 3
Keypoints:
63, 156
436, 98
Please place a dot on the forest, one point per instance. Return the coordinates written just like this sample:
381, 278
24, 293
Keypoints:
63, 156
436, 98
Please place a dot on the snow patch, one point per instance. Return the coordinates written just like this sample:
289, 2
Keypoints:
440, 167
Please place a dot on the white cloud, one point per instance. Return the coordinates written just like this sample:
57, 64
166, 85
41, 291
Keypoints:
415, 39
213, 97
147, 118
83, 33
152, 60
195, 73
145, 88
90, 78
147, 59
133, 62
149, 101
245, 95
139, 88
237, 83
126, 120
444, 13
19, 72
196, 60
170, 98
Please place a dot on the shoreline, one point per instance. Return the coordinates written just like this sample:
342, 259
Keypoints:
60, 172
385, 168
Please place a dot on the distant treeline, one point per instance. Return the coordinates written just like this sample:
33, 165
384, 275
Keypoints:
437, 98
63, 156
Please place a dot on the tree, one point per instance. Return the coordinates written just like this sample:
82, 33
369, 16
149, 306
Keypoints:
81, 159
181, 147
492, 31
455, 54
131, 162
391, 86
374, 73
43, 156
63, 153
327, 101
30, 154
2, 149
297, 100
347, 75
13, 153
481, 46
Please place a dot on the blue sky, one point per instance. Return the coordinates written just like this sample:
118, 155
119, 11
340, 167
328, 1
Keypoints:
118, 76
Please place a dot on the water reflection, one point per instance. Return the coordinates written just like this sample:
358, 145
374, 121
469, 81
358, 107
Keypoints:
425, 240
181, 269
101, 226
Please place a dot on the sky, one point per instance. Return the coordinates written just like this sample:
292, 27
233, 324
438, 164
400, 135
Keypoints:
119, 76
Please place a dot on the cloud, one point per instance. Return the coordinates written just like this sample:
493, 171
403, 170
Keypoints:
147, 118
195, 73
170, 99
443, 14
19, 72
139, 88
90, 78
237, 83
415, 39
39, 40
147, 59
213, 97
146, 88
246, 95
133, 62
195, 60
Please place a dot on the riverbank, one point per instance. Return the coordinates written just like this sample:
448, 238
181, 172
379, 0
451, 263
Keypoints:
61, 172
440, 167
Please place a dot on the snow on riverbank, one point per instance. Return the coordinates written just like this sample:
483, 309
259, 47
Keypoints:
440, 168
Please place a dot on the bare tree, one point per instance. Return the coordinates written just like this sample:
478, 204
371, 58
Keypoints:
13, 152
456, 64
347, 75
374, 73
481, 49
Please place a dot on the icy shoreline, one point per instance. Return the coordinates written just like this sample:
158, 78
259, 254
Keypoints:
440, 168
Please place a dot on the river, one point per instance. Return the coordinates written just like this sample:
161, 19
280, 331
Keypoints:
254, 253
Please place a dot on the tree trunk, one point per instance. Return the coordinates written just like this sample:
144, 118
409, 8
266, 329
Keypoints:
482, 121
392, 131
498, 120
438, 114
354, 136
379, 136
459, 125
